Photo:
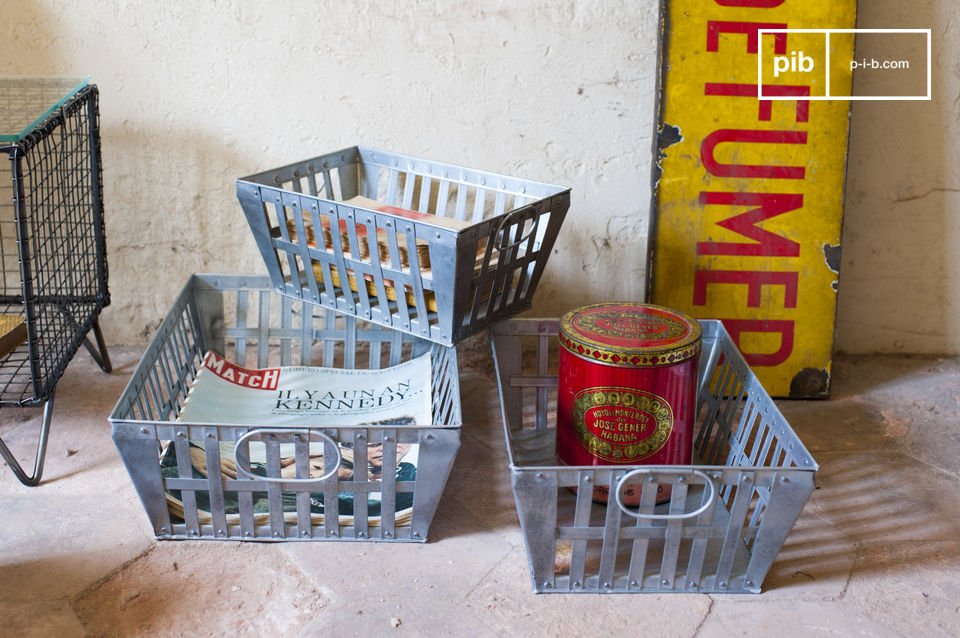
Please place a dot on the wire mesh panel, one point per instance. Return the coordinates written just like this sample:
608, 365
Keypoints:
728, 514
53, 261
53, 270
436, 250
185, 472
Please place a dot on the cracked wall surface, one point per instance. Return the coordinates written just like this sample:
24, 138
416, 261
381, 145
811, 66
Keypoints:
899, 286
196, 95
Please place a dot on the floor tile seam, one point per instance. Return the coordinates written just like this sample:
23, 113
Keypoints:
945, 472
486, 575
861, 543
75, 598
47, 603
887, 451
857, 544
109, 575
699, 628
843, 594
282, 549
464, 432
322, 591
858, 555
908, 542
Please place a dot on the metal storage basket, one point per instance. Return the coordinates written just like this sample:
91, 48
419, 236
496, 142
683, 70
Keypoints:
728, 516
471, 254
53, 258
247, 322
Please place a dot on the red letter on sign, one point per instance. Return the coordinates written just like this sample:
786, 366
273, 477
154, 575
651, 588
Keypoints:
769, 90
768, 205
736, 327
753, 279
710, 143
715, 28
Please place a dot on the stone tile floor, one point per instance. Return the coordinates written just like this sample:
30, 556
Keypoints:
876, 552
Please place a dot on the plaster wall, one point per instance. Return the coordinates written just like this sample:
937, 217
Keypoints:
196, 94
900, 276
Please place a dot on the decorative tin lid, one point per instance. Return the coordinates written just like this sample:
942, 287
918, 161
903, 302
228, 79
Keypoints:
630, 334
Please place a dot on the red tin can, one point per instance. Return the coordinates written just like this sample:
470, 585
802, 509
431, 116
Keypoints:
627, 388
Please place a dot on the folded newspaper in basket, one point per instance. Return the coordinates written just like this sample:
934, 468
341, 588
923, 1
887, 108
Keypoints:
224, 393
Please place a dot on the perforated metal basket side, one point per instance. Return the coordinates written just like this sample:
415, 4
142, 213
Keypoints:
246, 321
729, 513
472, 252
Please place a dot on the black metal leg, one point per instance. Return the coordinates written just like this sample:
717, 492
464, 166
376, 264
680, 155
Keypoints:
33, 479
100, 354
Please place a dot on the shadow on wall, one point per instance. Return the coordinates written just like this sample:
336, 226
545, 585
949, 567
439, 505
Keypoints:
171, 211
898, 285
169, 198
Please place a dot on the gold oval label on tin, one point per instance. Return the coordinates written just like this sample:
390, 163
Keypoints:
621, 425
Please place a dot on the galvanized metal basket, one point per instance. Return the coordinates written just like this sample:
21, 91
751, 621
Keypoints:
432, 249
728, 515
242, 318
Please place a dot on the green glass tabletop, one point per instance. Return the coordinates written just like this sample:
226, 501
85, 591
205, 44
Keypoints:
25, 102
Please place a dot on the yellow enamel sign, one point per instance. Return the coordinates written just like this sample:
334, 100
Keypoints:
748, 190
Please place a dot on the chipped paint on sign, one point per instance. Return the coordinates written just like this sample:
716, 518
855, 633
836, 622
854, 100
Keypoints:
748, 201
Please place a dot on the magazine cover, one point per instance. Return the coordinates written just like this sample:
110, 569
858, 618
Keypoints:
303, 396
225, 393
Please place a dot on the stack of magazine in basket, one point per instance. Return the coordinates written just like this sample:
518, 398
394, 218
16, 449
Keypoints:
321, 402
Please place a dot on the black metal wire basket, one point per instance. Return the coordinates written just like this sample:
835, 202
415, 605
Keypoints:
53, 259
